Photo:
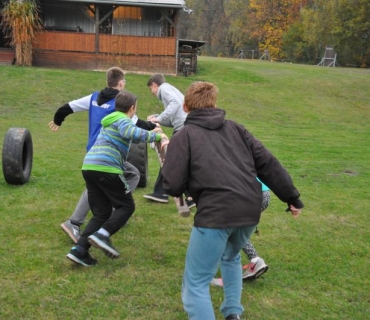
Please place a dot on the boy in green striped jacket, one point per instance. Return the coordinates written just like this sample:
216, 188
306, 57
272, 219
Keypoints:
103, 170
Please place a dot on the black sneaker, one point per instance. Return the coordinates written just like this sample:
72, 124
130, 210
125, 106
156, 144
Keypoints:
84, 259
102, 242
233, 317
190, 203
156, 197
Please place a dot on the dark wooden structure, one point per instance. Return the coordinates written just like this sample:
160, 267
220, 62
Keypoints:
138, 36
6, 56
188, 56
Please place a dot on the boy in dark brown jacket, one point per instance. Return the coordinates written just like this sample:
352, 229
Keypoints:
217, 161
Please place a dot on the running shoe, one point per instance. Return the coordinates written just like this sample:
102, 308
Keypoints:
72, 230
83, 259
102, 242
254, 269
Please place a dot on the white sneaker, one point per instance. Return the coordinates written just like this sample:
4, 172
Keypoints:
254, 269
217, 282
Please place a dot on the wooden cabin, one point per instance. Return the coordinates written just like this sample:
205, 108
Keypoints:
138, 36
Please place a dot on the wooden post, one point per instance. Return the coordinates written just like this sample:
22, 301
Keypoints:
96, 29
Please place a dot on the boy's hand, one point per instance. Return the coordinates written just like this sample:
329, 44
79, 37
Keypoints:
158, 129
164, 141
295, 212
295, 206
53, 126
152, 118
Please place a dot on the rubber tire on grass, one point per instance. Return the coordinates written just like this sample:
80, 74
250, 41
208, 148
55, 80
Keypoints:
138, 156
17, 156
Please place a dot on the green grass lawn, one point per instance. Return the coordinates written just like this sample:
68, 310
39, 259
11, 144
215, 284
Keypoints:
316, 120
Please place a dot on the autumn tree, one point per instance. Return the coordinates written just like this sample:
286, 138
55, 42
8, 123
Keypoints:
351, 32
296, 48
269, 20
343, 24
239, 25
208, 23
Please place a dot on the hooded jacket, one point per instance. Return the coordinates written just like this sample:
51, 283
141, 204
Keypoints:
218, 161
110, 150
173, 114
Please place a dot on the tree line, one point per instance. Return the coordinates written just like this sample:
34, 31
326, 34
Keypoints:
288, 30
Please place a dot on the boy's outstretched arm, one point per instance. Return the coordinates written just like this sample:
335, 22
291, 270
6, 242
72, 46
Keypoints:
82, 104
147, 125
59, 117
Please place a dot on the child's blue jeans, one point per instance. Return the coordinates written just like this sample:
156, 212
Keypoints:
207, 250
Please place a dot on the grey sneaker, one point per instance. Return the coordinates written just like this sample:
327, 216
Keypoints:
99, 241
72, 230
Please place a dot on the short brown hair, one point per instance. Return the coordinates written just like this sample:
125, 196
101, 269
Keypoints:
114, 76
201, 95
157, 78
124, 101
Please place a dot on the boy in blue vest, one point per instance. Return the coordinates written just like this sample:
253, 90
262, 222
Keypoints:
103, 170
98, 104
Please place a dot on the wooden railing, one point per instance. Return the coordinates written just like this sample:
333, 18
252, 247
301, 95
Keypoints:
65, 41
114, 44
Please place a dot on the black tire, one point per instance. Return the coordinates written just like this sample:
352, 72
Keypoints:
17, 156
138, 156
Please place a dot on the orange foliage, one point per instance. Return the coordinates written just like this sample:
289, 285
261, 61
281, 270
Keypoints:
270, 19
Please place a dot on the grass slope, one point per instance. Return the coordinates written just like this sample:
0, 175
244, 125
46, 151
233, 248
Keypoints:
314, 119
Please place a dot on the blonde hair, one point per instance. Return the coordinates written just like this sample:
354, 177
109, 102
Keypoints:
201, 95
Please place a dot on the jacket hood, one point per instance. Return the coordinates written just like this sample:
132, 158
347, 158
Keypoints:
106, 95
112, 117
209, 118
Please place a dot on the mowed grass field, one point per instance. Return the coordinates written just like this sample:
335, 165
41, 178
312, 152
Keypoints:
316, 120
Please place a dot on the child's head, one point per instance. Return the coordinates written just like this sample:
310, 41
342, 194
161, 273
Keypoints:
115, 77
124, 101
157, 78
155, 82
201, 95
